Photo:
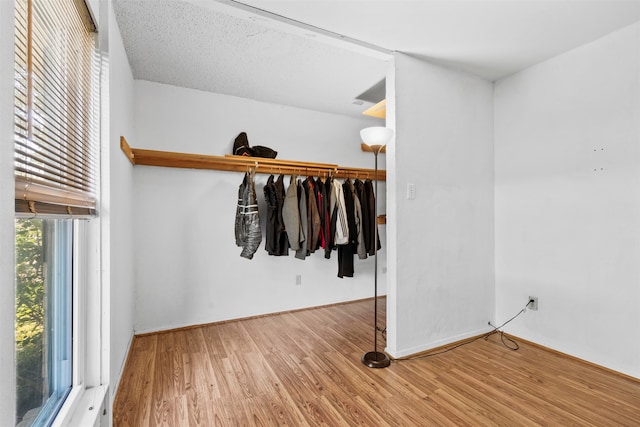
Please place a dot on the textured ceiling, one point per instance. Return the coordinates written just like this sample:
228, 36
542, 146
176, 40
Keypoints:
184, 44
293, 52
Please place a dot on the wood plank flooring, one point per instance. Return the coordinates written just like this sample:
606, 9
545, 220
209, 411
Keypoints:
303, 368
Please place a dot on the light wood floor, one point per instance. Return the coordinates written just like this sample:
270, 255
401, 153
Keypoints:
303, 368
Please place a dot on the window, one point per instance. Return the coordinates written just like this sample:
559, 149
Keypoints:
43, 318
56, 147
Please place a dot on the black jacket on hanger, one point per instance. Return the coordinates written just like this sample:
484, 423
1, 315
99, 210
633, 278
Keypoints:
247, 224
370, 232
276, 240
366, 217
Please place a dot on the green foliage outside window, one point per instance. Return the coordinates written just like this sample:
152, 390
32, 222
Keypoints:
30, 314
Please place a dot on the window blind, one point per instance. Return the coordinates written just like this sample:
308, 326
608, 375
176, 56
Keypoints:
56, 108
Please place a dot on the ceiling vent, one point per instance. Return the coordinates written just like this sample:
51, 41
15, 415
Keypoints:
375, 95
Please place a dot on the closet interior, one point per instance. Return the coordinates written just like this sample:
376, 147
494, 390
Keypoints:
344, 220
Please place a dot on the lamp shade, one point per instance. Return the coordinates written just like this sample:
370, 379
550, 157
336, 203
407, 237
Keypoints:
376, 136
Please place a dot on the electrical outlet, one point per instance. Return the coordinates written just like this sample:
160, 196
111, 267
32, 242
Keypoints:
298, 279
533, 303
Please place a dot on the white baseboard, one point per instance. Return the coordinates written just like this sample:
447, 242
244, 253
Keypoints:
439, 343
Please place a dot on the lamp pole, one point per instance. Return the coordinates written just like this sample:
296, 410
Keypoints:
375, 359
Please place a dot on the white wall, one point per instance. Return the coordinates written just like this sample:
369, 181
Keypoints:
441, 277
116, 208
568, 201
188, 269
7, 227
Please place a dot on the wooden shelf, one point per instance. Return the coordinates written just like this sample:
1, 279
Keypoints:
232, 163
366, 148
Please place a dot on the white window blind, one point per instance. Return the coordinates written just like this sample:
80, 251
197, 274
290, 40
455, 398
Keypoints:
56, 108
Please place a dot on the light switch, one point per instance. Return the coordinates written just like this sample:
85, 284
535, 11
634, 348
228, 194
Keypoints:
411, 191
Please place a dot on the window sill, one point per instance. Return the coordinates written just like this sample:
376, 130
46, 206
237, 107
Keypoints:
82, 408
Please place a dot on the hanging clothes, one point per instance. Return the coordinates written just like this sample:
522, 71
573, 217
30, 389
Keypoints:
318, 188
357, 222
366, 229
291, 215
339, 211
301, 253
313, 216
372, 222
272, 212
247, 223
282, 241
352, 215
276, 243
346, 250
333, 214
329, 223
239, 209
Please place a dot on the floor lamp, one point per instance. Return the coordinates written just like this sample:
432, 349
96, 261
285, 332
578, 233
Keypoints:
376, 138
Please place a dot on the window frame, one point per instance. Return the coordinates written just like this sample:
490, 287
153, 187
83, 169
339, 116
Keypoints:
84, 403
88, 390
7, 216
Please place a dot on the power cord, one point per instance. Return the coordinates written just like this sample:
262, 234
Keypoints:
383, 332
486, 336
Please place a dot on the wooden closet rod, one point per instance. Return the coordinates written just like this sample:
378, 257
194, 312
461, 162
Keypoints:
138, 156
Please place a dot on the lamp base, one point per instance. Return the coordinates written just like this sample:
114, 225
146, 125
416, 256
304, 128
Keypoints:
375, 359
